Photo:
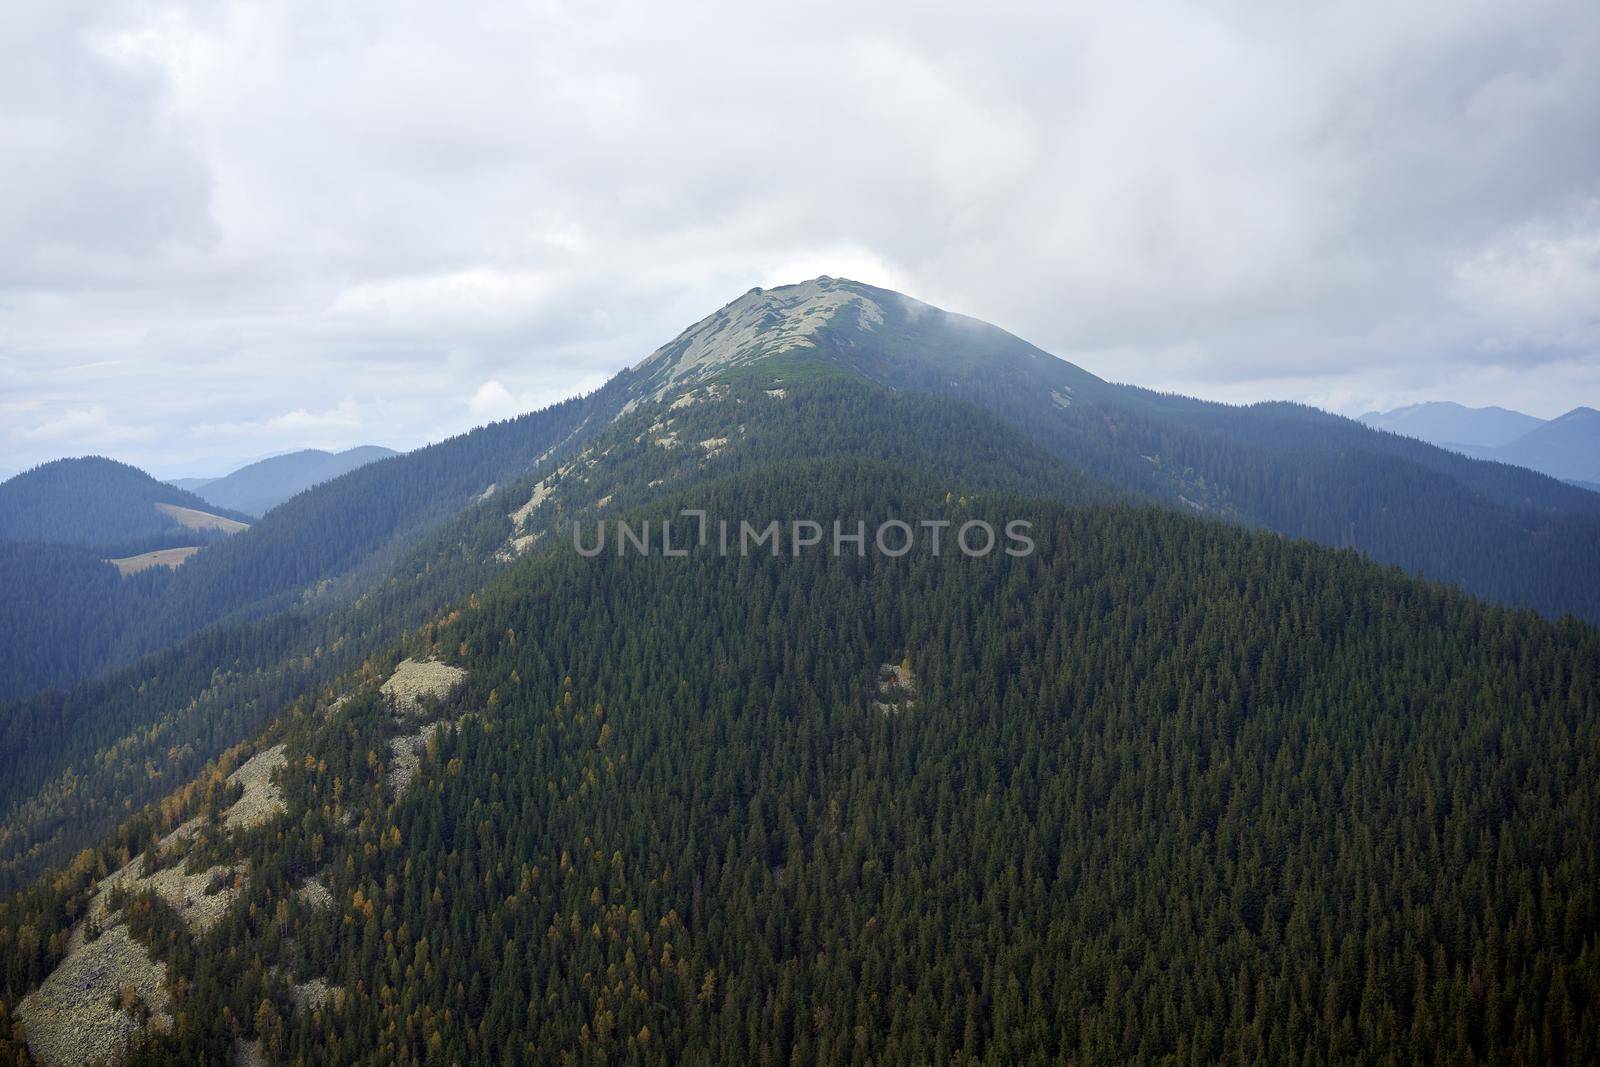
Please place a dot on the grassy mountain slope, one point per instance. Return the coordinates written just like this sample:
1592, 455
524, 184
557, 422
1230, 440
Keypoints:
1163, 788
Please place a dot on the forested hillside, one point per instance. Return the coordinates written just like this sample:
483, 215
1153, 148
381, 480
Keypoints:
96, 502
1502, 532
138, 733
63, 606
1160, 789
368, 518
346, 566
1166, 788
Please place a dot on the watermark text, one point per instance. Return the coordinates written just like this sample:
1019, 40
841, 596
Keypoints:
693, 531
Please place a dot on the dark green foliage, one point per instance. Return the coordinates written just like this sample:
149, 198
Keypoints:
98, 502
167, 716
48, 630
1502, 532
354, 528
1168, 790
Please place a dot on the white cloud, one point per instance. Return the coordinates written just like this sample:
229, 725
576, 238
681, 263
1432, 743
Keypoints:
462, 301
493, 401
81, 422
88, 428
310, 425
1539, 283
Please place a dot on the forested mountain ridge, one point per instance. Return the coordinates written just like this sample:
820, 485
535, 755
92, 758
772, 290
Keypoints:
359, 523
355, 525
145, 729
100, 503
63, 603
386, 534
1508, 534
324, 559
1124, 795
1160, 789
1500, 532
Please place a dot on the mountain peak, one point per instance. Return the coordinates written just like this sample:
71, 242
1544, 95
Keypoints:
878, 334
1576, 414
761, 323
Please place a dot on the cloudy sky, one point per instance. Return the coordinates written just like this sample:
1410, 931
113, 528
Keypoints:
229, 229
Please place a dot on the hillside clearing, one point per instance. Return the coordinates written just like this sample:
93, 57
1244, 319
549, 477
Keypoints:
407, 754
184, 893
161, 557
262, 798
194, 519
70, 1018
897, 688
413, 680
309, 995
314, 893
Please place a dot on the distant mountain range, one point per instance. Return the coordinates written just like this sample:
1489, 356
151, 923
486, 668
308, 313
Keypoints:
258, 487
1451, 425
1567, 447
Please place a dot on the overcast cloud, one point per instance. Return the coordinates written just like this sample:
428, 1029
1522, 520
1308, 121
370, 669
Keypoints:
228, 229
